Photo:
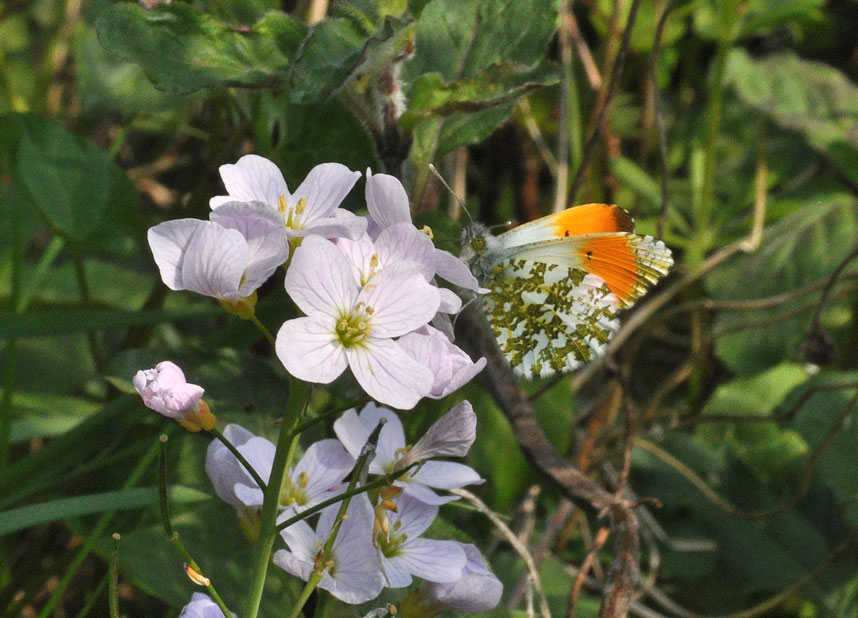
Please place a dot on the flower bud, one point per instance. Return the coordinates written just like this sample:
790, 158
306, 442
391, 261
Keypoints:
165, 390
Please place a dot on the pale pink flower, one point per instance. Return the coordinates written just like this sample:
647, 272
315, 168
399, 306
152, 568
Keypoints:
388, 205
165, 390
450, 365
201, 606
403, 553
478, 590
352, 574
347, 325
312, 209
227, 258
450, 436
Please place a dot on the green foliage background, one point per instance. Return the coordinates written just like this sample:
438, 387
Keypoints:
114, 117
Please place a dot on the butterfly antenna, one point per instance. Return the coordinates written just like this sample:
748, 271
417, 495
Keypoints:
505, 224
453, 193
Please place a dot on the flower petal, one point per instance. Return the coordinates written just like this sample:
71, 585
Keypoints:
386, 200
251, 178
214, 261
401, 300
308, 349
333, 227
325, 463
414, 516
168, 242
320, 279
426, 495
353, 431
324, 188
450, 436
446, 475
477, 591
266, 239
396, 571
434, 561
388, 374
454, 270
450, 301
402, 242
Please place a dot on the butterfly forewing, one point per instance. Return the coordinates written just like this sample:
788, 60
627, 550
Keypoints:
548, 318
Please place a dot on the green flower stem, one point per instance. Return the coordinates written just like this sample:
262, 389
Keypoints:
325, 555
298, 395
96, 533
173, 536
217, 433
113, 597
94, 345
263, 330
376, 484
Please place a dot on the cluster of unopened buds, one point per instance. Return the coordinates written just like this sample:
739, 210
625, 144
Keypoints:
369, 302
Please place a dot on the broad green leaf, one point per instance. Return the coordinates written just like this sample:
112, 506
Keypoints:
62, 508
729, 21
496, 85
75, 186
337, 49
800, 249
184, 50
812, 98
459, 39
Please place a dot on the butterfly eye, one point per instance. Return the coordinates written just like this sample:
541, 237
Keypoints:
478, 243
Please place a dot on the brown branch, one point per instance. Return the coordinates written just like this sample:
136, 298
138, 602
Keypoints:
500, 382
612, 87
814, 325
586, 565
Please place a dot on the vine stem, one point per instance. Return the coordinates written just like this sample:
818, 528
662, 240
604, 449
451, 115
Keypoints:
298, 396
365, 457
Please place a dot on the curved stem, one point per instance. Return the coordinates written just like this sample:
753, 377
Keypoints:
262, 328
237, 454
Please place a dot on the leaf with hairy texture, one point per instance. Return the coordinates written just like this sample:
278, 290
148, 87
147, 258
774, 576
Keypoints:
184, 50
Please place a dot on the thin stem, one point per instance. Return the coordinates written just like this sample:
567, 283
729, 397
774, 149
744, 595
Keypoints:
113, 597
263, 330
217, 433
357, 472
379, 482
298, 394
83, 284
192, 568
330, 414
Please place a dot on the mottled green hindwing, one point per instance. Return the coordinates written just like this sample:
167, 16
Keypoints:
548, 318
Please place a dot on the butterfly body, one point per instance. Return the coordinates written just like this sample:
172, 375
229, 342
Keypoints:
555, 285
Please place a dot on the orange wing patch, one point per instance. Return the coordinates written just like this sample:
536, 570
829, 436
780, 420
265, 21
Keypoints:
592, 219
627, 263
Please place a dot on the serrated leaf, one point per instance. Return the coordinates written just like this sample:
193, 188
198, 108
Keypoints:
75, 186
812, 98
184, 50
498, 84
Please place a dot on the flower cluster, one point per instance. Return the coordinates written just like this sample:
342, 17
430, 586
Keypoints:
365, 285
380, 544
369, 302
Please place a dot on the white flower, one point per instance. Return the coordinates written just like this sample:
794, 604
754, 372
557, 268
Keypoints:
449, 364
227, 258
352, 573
478, 590
165, 390
201, 606
347, 325
450, 436
311, 209
403, 553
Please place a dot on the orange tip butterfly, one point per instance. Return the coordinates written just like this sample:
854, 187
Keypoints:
556, 284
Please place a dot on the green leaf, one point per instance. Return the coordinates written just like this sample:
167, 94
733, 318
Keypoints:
800, 249
812, 98
184, 50
51, 323
75, 186
39, 415
62, 508
338, 48
460, 39
496, 85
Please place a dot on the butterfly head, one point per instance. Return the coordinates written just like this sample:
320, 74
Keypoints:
478, 246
